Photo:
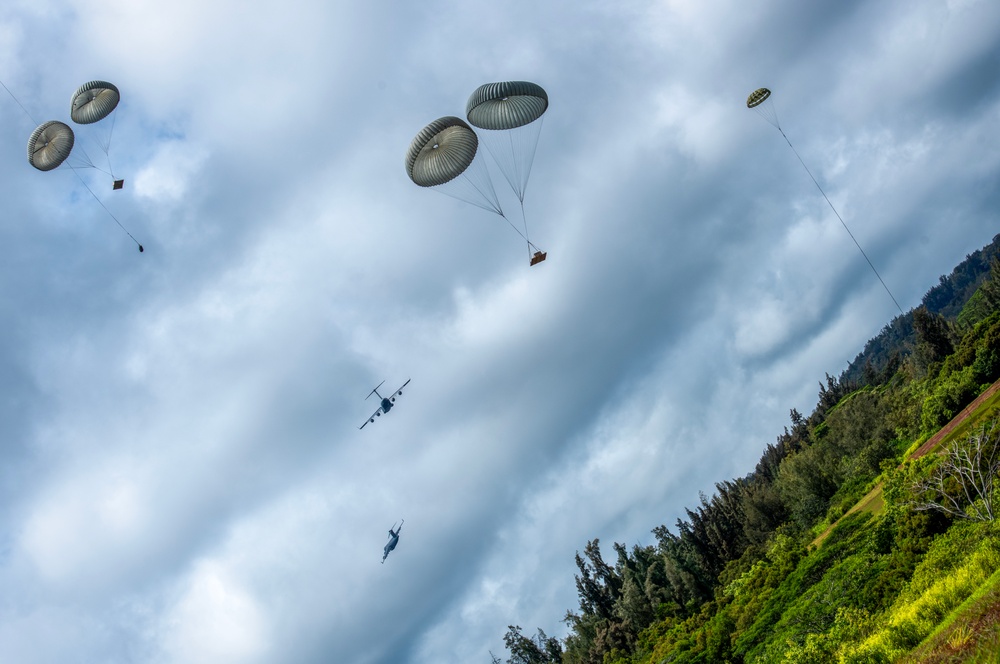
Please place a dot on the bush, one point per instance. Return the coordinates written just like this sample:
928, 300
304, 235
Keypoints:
948, 398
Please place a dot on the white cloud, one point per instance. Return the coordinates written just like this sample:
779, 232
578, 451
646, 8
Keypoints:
214, 620
171, 172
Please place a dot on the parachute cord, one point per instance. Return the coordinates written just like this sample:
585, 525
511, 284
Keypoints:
842, 222
517, 230
84, 182
525, 220
18, 103
107, 146
85, 161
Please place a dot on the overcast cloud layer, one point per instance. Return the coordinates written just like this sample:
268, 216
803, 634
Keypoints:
183, 477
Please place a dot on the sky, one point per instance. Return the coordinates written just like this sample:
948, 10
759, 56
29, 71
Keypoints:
183, 476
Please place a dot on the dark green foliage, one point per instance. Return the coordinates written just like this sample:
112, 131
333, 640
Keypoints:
807, 481
597, 584
524, 650
953, 291
763, 511
990, 290
933, 340
884, 353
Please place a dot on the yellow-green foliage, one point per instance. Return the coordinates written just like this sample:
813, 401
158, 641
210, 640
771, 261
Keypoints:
960, 636
931, 595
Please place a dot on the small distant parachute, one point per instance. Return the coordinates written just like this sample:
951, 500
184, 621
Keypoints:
92, 102
760, 101
50, 145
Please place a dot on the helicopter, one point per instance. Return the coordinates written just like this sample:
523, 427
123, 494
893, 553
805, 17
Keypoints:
386, 405
393, 540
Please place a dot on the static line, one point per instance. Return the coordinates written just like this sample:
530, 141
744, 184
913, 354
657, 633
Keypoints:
18, 101
842, 222
84, 183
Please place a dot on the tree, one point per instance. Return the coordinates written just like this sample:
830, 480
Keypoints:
963, 483
933, 338
991, 287
597, 584
524, 650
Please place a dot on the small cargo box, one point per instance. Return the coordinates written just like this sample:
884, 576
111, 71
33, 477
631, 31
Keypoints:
118, 184
538, 257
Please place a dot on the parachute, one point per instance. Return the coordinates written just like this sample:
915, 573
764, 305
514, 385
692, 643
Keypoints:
443, 156
507, 113
92, 102
508, 116
760, 101
49, 145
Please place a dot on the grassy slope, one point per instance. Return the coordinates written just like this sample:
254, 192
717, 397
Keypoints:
970, 634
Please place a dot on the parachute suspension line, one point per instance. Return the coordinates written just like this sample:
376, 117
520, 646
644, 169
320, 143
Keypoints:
524, 220
481, 187
767, 111
18, 101
515, 179
858, 245
84, 182
531, 157
106, 146
494, 208
80, 157
515, 162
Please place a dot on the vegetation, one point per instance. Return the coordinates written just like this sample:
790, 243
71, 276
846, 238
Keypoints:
786, 565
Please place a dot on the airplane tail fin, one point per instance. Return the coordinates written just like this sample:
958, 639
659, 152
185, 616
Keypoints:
375, 391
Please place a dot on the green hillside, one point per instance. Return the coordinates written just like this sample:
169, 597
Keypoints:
866, 533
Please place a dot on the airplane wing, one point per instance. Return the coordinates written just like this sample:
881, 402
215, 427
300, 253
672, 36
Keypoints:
398, 389
371, 418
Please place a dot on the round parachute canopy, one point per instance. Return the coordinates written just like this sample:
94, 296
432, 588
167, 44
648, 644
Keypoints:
506, 105
93, 101
49, 145
441, 152
757, 97
760, 103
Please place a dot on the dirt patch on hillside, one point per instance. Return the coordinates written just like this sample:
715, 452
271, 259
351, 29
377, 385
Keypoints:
934, 440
